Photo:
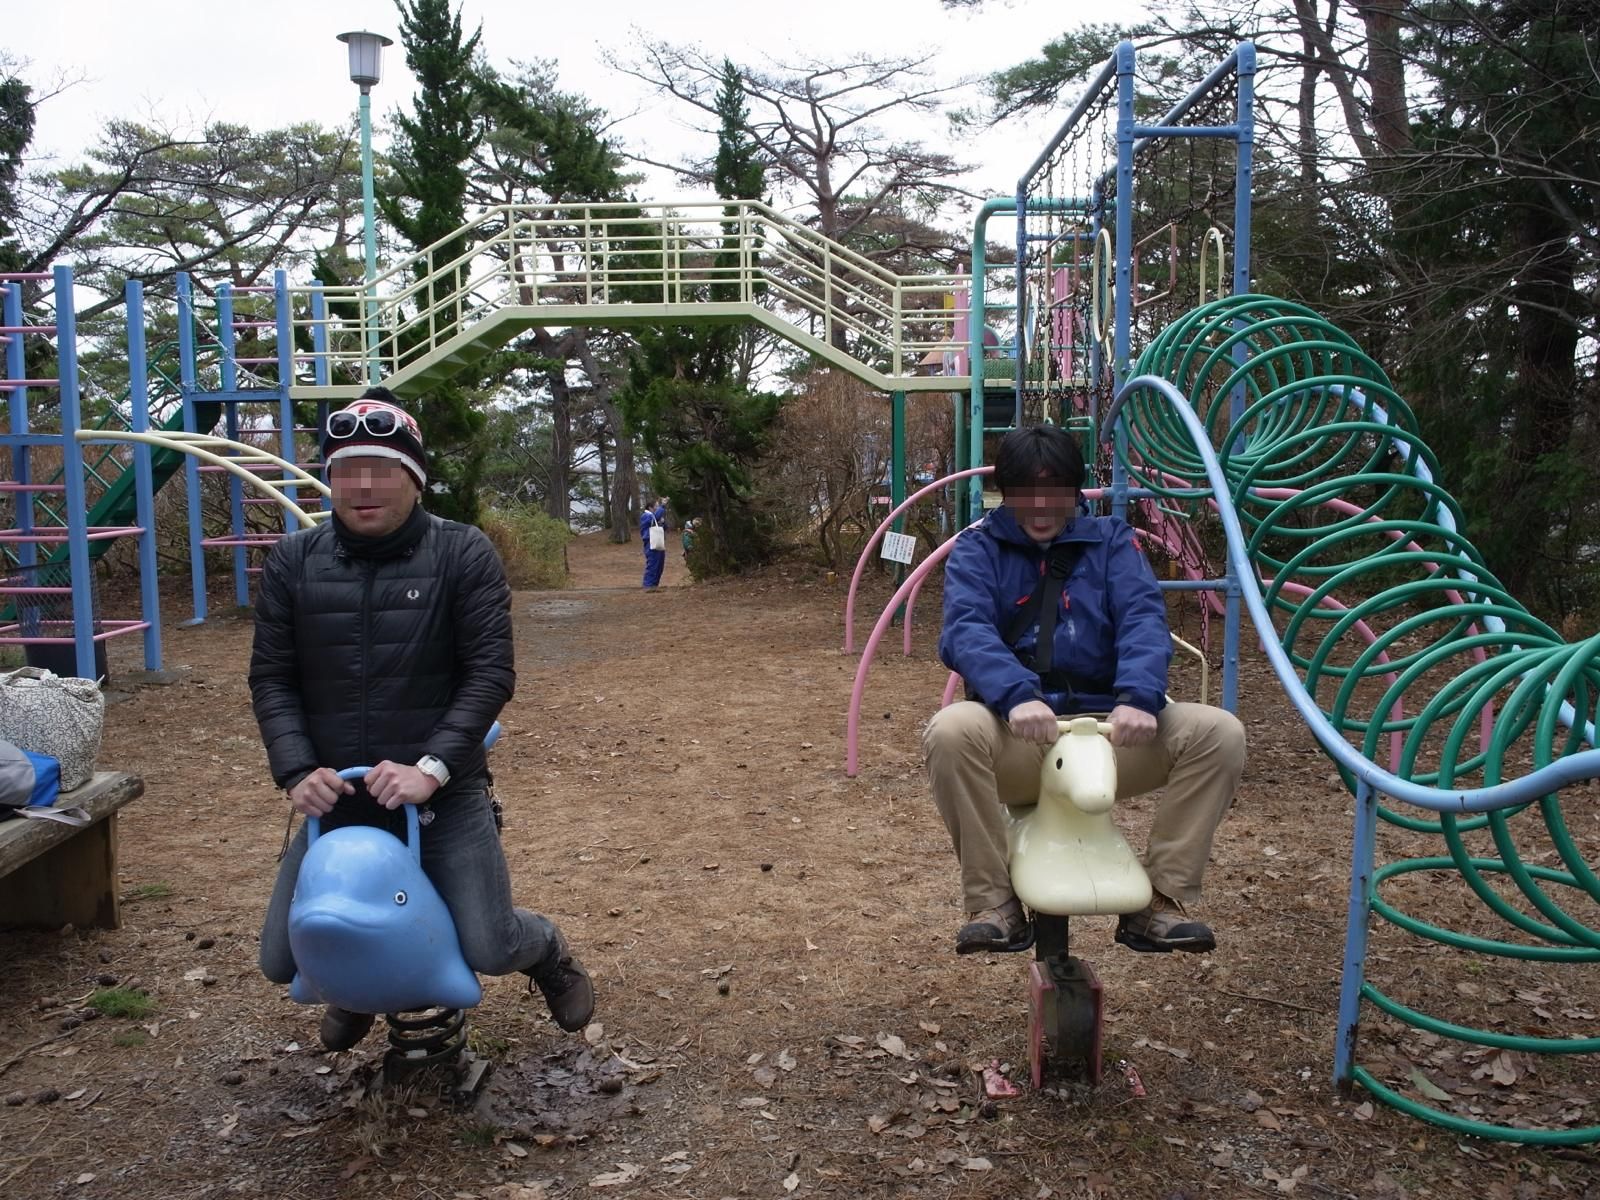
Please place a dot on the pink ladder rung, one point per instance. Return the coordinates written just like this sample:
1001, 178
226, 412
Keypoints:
108, 629
11, 385
9, 486
57, 533
8, 276
27, 328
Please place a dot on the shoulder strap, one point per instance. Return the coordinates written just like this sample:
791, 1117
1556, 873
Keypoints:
1042, 604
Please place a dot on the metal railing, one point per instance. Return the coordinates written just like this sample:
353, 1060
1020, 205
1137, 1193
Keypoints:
614, 263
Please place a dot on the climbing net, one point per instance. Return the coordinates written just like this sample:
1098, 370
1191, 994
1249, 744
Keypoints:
1064, 221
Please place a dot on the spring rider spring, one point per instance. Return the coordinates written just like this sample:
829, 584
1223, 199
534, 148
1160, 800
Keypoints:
371, 934
1068, 858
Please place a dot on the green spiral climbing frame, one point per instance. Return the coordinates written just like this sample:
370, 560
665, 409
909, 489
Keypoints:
1406, 642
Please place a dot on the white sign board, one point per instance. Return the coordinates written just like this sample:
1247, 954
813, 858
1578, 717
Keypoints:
899, 547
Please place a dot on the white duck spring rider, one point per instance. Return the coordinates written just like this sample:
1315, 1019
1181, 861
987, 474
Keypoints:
1068, 858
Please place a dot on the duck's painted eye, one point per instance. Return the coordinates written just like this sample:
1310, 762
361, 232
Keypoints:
1058, 764
399, 897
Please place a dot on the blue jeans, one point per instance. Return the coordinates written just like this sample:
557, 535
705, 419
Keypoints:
461, 854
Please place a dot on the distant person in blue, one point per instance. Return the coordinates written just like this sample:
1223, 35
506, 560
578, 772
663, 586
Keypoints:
653, 533
1048, 613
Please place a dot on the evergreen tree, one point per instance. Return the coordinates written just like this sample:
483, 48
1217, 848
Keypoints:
426, 203
16, 131
702, 426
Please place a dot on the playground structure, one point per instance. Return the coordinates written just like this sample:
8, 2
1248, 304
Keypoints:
1242, 406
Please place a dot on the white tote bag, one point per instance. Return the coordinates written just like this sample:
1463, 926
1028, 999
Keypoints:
55, 716
658, 537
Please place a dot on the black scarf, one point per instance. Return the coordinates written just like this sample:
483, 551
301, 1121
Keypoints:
387, 545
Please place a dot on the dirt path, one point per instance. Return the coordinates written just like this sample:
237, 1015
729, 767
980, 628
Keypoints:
780, 1011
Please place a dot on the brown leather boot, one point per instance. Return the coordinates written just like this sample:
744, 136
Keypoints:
1002, 930
1162, 926
567, 988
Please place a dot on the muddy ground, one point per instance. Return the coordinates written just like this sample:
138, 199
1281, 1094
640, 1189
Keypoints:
780, 1009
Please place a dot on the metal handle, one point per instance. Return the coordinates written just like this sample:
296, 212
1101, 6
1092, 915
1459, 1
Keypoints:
413, 829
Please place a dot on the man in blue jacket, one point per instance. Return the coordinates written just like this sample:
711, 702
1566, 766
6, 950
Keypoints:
654, 558
1033, 649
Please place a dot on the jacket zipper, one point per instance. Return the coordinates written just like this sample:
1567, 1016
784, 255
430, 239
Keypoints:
366, 641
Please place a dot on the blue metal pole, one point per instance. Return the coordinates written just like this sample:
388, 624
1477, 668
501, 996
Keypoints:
1124, 273
230, 409
21, 460
369, 213
287, 438
975, 326
1357, 921
143, 476
188, 385
83, 614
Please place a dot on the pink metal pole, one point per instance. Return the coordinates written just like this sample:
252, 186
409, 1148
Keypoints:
877, 536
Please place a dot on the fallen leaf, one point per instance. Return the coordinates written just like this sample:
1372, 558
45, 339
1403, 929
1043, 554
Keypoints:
928, 1027
786, 1061
1223, 1159
515, 1150
894, 1044
1502, 1070
877, 1124
593, 1032
792, 1182
86, 1177
1427, 1087
675, 1156
1364, 1111
1264, 1117
977, 1164
75, 1094
624, 1172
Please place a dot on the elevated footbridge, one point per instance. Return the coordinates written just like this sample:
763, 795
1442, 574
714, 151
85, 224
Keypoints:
516, 267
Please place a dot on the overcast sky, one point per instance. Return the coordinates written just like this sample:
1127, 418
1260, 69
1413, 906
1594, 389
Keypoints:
273, 62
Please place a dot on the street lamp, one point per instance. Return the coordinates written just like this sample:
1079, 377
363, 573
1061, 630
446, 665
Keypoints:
366, 69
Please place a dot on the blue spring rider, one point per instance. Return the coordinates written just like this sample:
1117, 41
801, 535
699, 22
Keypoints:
371, 934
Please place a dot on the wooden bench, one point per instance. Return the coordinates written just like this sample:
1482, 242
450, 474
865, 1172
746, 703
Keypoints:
53, 874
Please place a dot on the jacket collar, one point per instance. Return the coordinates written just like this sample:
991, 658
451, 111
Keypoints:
1001, 525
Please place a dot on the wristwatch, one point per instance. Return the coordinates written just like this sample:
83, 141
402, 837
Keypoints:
430, 764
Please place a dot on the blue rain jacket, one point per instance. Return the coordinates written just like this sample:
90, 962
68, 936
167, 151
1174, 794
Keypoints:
1111, 633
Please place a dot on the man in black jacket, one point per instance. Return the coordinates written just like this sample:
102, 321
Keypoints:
384, 637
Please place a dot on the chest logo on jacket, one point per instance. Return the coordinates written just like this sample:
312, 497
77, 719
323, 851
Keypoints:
413, 594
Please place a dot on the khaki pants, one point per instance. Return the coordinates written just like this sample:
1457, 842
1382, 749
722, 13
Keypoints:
976, 765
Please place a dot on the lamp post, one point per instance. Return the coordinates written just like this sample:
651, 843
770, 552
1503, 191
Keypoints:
366, 69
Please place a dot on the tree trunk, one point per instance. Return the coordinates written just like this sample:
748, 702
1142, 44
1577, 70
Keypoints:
1544, 397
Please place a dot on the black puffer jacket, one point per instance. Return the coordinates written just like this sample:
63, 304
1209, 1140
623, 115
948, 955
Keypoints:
357, 660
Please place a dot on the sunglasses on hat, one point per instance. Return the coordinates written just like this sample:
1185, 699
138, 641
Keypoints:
379, 422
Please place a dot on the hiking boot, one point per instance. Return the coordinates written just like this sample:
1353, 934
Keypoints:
341, 1030
1162, 926
1002, 930
567, 988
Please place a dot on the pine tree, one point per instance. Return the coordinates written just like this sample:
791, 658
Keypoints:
701, 425
426, 203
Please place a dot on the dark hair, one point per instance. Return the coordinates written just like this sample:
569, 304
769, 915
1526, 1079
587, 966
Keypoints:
378, 392
1038, 453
